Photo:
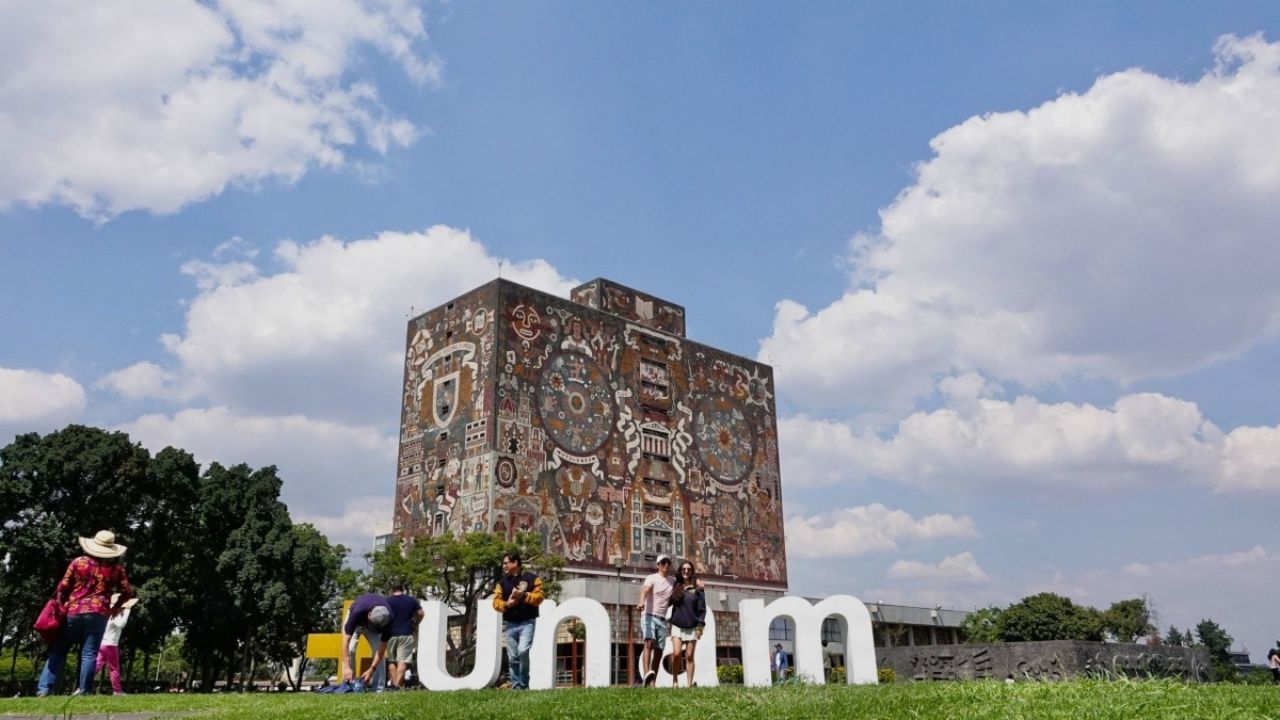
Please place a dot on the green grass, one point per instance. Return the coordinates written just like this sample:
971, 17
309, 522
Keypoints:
1121, 700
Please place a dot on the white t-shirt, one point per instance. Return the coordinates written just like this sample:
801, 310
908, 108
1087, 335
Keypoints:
658, 600
115, 626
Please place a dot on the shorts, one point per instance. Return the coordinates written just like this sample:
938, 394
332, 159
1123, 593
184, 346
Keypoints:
400, 648
654, 627
684, 634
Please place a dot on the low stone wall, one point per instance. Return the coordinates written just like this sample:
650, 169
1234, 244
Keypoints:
1053, 660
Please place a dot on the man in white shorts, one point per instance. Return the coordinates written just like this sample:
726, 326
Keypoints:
655, 595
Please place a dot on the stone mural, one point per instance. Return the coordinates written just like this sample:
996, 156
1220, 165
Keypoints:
1053, 660
595, 424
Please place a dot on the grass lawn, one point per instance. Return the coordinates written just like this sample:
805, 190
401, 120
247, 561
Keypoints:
1121, 700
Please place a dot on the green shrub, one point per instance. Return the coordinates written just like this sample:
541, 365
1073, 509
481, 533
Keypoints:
729, 674
837, 676
885, 676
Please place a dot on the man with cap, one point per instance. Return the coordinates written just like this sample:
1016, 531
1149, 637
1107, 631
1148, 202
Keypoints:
370, 616
655, 596
779, 663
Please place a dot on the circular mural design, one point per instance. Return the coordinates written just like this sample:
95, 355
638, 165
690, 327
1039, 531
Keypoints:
723, 437
575, 403
506, 472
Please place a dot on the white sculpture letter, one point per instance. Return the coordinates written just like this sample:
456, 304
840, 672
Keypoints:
542, 656
432, 646
860, 653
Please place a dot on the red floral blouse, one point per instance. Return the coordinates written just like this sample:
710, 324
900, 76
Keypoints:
87, 586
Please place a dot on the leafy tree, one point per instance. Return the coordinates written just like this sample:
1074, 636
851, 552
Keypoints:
1173, 637
461, 572
1218, 643
1047, 616
982, 626
1127, 620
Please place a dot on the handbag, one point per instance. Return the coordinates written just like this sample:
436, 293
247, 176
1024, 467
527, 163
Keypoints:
51, 621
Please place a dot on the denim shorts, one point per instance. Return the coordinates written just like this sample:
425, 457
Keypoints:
654, 627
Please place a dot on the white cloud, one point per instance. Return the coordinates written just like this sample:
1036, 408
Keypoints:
959, 568
847, 532
323, 464
141, 380
361, 520
325, 336
129, 104
35, 401
1143, 440
1123, 232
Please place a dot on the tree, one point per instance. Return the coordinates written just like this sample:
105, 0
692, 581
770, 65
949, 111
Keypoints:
55, 488
461, 572
1047, 616
1218, 643
982, 626
1173, 637
1127, 620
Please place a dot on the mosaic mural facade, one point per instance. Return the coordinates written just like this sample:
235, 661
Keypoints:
593, 423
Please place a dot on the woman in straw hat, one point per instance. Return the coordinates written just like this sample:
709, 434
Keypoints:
109, 650
86, 593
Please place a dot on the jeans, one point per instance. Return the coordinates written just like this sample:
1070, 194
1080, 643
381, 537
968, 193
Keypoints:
519, 640
379, 680
85, 629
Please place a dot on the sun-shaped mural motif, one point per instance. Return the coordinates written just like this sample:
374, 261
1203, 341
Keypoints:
575, 403
724, 439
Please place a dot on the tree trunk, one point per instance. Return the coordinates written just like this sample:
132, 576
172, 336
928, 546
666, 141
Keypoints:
13, 662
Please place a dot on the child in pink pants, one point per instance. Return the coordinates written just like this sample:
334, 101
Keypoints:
109, 649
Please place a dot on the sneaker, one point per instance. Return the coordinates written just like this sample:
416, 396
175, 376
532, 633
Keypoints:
119, 693
650, 678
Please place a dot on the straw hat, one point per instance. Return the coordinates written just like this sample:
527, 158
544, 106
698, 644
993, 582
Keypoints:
115, 597
103, 545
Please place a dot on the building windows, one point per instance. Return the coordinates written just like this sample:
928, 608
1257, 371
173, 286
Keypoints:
655, 443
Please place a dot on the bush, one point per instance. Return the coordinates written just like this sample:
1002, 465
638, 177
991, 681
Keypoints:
729, 674
837, 676
885, 676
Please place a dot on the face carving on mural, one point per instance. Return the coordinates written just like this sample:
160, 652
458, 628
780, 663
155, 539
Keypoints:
575, 403
724, 439
526, 322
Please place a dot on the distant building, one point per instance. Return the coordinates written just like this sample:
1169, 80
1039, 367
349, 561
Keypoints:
380, 542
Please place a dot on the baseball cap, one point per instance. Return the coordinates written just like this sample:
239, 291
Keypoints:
663, 558
379, 616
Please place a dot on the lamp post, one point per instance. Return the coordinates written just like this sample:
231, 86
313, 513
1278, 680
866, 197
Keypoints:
617, 607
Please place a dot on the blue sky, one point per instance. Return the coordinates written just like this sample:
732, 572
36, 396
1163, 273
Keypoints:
1013, 262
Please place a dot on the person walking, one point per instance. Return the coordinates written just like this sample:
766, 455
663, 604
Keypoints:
85, 593
1273, 663
655, 597
688, 617
109, 650
406, 613
517, 596
779, 663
